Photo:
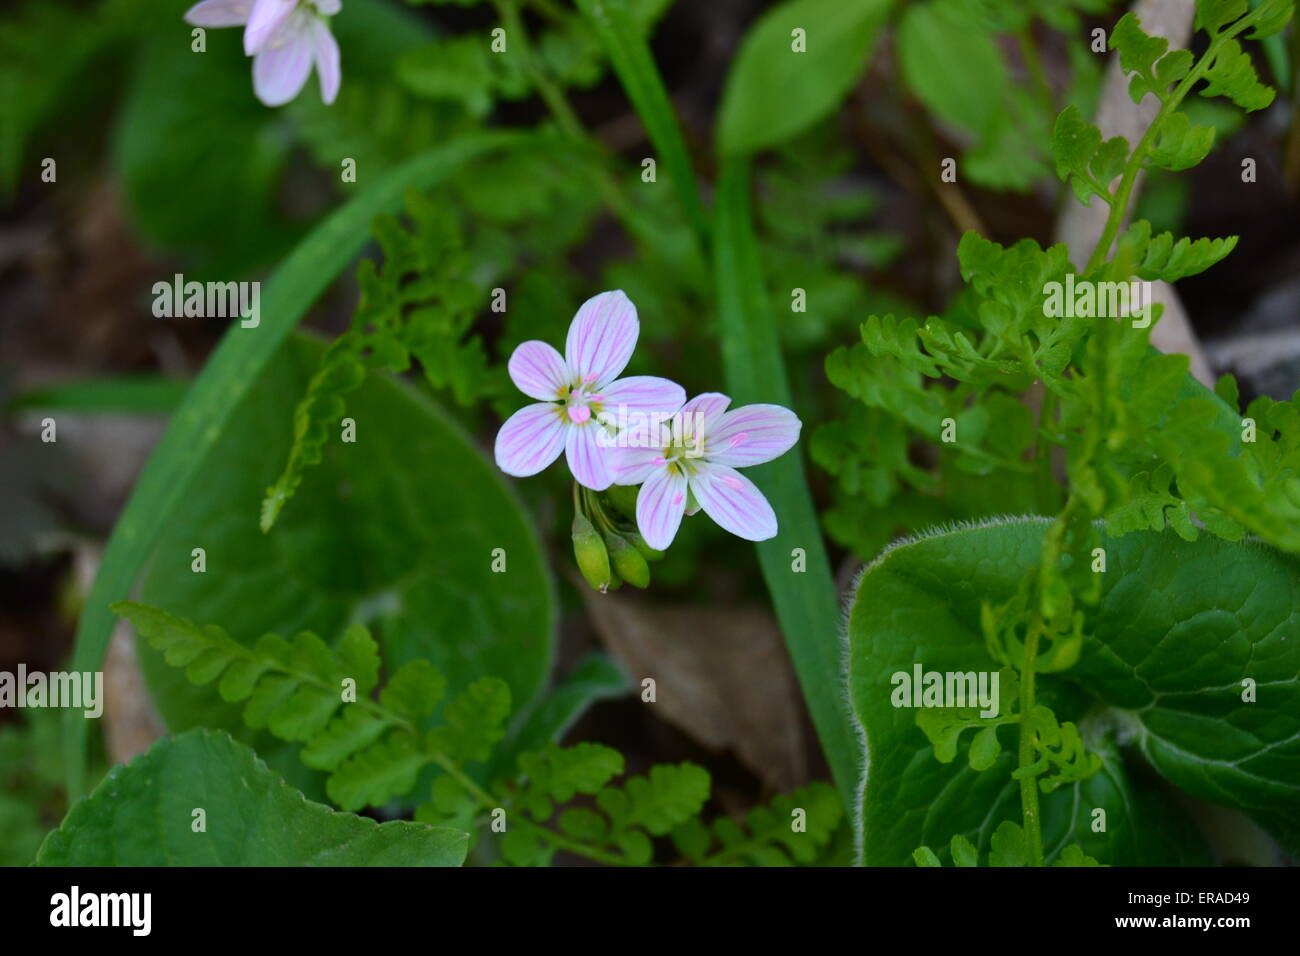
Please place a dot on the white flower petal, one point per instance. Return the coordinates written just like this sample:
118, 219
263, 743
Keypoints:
642, 394
538, 370
706, 409
265, 22
587, 456
213, 14
327, 60
601, 337
279, 71
530, 439
659, 508
733, 501
631, 466
751, 435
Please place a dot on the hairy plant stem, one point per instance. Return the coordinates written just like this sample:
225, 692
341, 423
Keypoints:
1029, 784
1053, 544
1048, 490
1119, 199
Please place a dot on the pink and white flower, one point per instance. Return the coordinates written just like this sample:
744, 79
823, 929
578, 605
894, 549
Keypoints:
576, 391
699, 470
284, 38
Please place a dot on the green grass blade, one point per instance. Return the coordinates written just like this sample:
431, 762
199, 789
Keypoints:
229, 373
122, 395
807, 604
629, 54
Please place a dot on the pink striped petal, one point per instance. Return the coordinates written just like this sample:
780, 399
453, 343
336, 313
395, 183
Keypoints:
586, 455
538, 371
327, 60
751, 435
710, 405
659, 508
279, 71
531, 439
264, 23
732, 500
631, 466
328, 7
219, 13
601, 337
644, 394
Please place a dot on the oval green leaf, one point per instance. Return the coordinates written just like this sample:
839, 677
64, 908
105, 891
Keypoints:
1180, 627
145, 814
774, 91
396, 530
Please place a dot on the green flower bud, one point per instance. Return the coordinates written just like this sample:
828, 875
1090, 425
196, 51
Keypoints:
628, 561
638, 542
589, 550
623, 497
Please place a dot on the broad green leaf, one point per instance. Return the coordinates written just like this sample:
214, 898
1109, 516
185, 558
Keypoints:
1178, 627
1186, 635
396, 531
190, 126
952, 64
225, 380
143, 814
806, 602
774, 92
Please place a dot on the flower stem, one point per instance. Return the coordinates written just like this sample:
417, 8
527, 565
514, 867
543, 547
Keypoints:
1029, 783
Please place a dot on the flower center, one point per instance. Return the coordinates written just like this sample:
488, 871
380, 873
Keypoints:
581, 403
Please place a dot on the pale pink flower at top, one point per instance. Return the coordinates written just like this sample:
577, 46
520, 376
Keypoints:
578, 392
284, 38
698, 470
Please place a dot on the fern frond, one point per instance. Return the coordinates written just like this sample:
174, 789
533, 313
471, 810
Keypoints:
794, 828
